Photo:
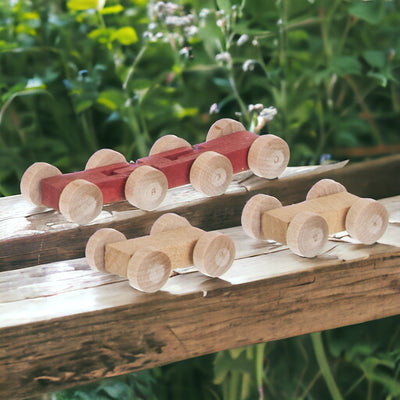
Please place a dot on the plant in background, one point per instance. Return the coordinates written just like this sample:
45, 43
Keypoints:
79, 75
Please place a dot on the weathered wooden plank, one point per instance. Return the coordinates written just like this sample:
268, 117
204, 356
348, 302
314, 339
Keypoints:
63, 324
33, 235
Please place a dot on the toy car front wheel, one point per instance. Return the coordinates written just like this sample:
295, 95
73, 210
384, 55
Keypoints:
104, 157
80, 201
168, 142
149, 269
96, 245
307, 234
268, 156
222, 127
213, 254
146, 187
211, 173
253, 211
367, 220
167, 222
325, 187
30, 181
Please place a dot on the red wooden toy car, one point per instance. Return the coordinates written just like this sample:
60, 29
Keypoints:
172, 162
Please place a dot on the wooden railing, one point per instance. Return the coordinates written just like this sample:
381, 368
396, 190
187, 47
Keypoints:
63, 324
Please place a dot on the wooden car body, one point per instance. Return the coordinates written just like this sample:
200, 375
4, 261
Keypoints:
175, 164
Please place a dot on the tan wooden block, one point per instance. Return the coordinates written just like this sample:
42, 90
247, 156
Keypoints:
333, 208
178, 244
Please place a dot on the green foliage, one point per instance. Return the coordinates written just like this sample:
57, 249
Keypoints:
82, 75
79, 75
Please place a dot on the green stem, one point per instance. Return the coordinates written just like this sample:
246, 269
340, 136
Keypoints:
322, 360
259, 362
242, 105
133, 66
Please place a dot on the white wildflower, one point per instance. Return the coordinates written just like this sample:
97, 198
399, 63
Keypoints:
248, 65
214, 109
224, 57
256, 107
242, 40
269, 113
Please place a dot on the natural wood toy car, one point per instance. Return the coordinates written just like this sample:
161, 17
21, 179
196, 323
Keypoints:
305, 226
172, 162
147, 261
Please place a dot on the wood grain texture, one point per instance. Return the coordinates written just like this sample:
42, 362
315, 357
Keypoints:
31, 235
63, 324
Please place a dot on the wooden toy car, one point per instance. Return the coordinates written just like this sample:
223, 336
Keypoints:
147, 261
305, 226
172, 162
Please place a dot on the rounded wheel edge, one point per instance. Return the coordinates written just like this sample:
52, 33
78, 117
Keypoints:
167, 222
324, 187
268, 156
30, 181
211, 173
146, 187
213, 254
168, 142
96, 246
307, 234
149, 269
104, 157
80, 201
252, 214
367, 220
222, 127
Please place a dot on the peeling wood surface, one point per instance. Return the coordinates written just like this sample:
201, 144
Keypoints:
32, 235
63, 324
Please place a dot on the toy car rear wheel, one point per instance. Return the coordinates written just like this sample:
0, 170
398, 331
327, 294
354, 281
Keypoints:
80, 201
253, 211
30, 181
146, 187
325, 187
222, 127
211, 173
307, 234
367, 220
149, 269
168, 142
104, 157
96, 246
167, 222
213, 253
268, 156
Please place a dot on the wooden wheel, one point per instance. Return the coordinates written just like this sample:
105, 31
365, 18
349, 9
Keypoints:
211, 173
307, 234
325, 187
149, 269
213, 254
268, 156
104, 157
222, 127
253, 211
168, 142
30, 181
367, 220
96, 246
80, 201
167, 222
146, 187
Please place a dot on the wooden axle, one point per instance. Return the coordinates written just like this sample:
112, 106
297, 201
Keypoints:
305, 226
147, 261
172, 162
